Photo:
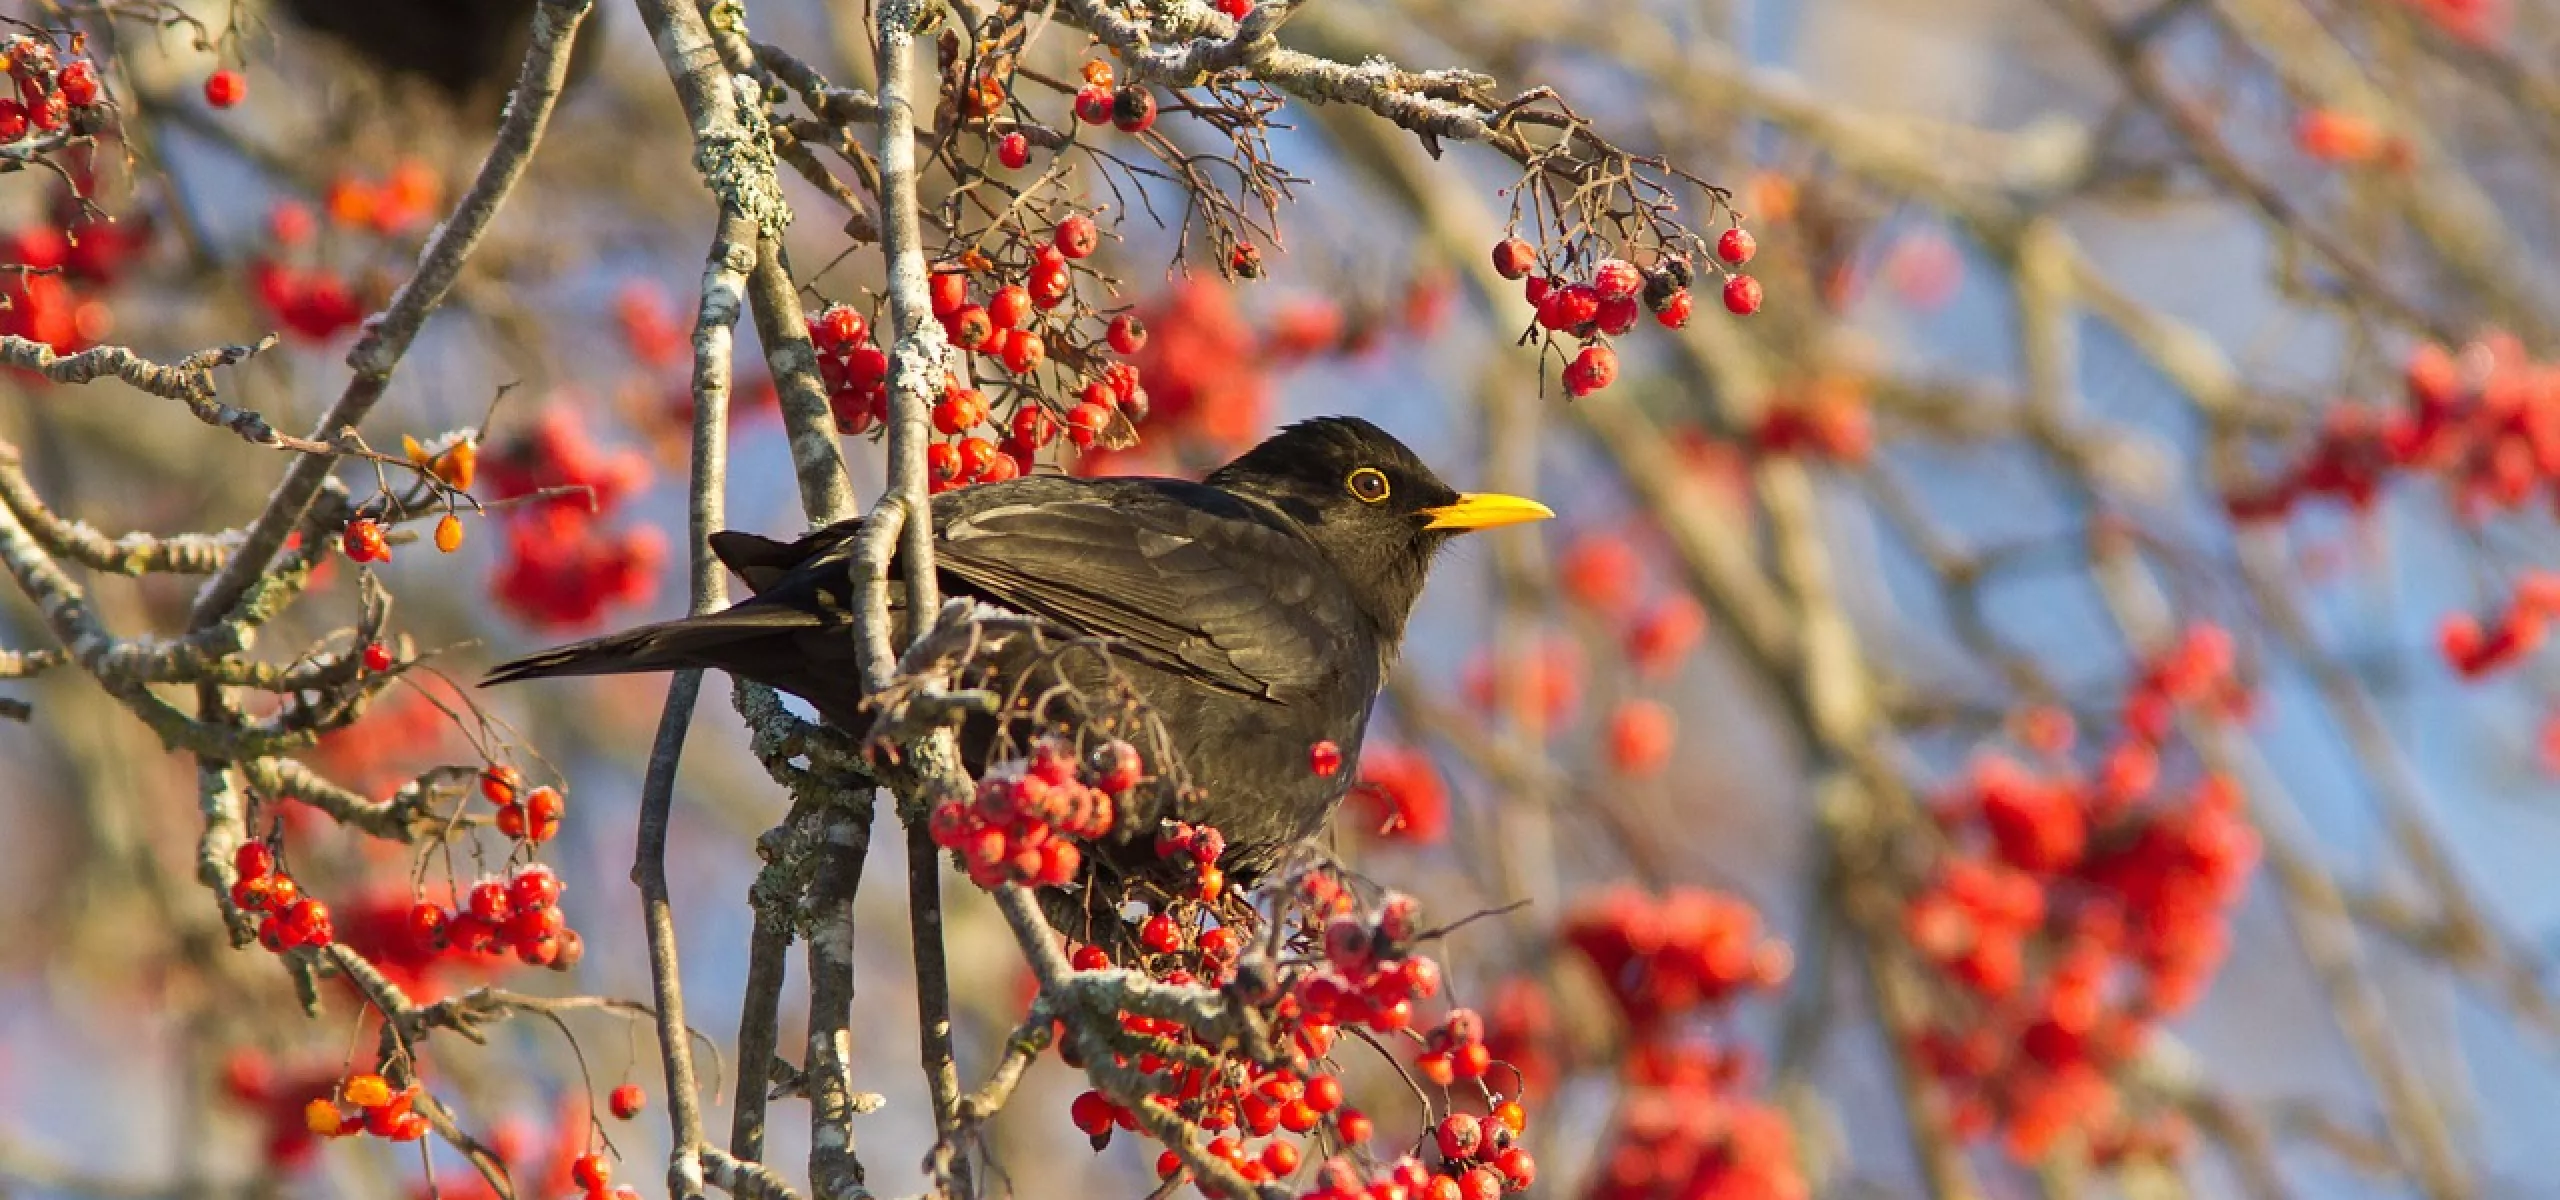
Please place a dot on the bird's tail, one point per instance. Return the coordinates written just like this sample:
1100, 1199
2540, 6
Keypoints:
666, 646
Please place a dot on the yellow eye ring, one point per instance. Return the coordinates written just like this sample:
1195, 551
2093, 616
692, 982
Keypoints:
1368, 485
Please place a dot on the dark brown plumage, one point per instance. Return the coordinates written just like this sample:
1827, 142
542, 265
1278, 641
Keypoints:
1256, 614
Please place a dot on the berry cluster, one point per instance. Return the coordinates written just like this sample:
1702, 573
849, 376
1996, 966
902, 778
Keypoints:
1201, 846
1615, 295
1686, 1126
1023, 824
1032, 365
518, 913
2079, 908
288, 918
281, 1099
1662, 957
50, 93
531, 817
2485, 422
564, 567
2475, 649
1129, 108
54, 265
379, 1111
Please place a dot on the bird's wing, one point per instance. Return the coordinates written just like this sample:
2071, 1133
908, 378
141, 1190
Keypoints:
1178, 576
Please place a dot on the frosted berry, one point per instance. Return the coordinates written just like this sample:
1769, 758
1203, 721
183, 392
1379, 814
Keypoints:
1616, 278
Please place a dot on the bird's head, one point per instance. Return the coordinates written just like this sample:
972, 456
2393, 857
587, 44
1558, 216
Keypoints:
1369, 504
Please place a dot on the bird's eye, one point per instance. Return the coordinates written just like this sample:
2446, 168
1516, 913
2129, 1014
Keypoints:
1369, 484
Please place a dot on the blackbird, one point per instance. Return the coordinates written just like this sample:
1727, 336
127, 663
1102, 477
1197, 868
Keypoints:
1255, 615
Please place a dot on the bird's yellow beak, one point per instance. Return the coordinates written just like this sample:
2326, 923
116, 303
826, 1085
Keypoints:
1486, 510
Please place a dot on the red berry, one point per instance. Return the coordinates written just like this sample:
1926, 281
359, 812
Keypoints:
1050, 283
1235, 9
948, 291
1324, 758
488, 901
307, 923
1245, 261
1085, 423
1518, 1169
1513, 258
942, 459
254, 860
1324, 1093
1674, 312
1023, 351
1090, 958
977, 456
1160, 934
1483, 1183
1354, 1126
1641, 733
499, 783
1616, 279
1033, 427
1128, 335
79, 83
1736, 246
1092, 1113
224, 88
1742, 295
1133, 109
533, 886
1596, 367
1014, 151
1077, 236
1459, 1136
427, 924
628, 1100
838, 328
1280, 1158
1094, 104
13, 120
363, 541
971, 326
592, 1172
377, 657
1618, 314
